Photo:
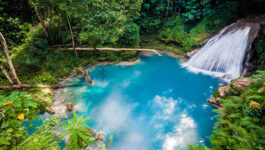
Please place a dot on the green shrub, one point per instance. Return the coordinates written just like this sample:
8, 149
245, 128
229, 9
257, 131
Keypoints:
15, 108
80, 136
241, 120
192, 35
174, 31
44, 138
130, 36
261, 53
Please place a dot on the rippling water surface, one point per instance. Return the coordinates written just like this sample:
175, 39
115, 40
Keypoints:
153, 105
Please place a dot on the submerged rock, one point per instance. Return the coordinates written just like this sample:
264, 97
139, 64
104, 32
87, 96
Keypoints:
241, 84
69, 106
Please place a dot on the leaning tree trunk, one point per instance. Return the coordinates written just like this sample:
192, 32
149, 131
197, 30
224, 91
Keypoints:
5, 73
41, 21
2, 39
85, 74
72, 36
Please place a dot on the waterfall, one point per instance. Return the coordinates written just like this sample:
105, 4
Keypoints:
224, 55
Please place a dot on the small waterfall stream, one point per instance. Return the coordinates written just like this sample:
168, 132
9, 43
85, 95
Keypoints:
224, 55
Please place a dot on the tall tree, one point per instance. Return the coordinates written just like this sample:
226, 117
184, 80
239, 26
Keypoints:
3, 41
43, 4
72, 36
41, 21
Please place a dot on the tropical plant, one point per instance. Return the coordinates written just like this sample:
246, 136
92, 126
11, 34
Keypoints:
241, 120
13, 110
79, 135
45, 138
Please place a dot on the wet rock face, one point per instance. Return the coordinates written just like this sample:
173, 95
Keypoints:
241, 84
224, 90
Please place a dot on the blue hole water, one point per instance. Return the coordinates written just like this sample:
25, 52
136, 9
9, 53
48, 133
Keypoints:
153, 105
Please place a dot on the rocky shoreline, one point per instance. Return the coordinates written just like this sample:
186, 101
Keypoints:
239, 84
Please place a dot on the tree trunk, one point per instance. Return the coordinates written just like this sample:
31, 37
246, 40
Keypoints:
72, 36
39, 86
8, 59
5, 73
41, 21
112, 49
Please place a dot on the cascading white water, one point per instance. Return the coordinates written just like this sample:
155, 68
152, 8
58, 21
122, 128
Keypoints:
222, 55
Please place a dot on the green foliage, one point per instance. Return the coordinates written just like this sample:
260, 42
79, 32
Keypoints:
99, 23
80, 136
12, 28
45, 138
241, 120
192, 35
225, 12
175, 31
94, 22
15, 108
130, 37
36, 63
30, 54
261, 51
97, 26
195, 9
152, 13
155, 13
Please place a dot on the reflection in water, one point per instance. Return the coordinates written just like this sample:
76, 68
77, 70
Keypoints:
155, 104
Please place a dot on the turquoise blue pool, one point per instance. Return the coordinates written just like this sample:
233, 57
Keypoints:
155, 104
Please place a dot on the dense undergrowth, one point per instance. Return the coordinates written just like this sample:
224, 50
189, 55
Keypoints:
241, 119
175, 26
189, 36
